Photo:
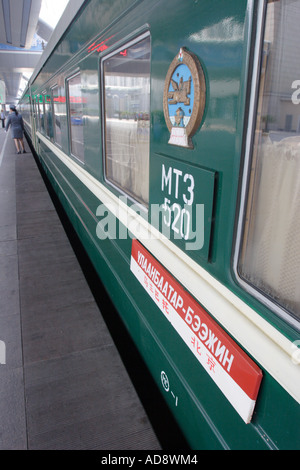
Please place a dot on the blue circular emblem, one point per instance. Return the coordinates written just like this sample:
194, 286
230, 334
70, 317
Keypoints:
181, 90
184, 98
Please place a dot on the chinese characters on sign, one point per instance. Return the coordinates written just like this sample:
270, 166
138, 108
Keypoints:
237, 376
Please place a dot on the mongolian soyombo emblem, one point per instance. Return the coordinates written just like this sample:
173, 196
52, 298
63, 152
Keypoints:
184, 98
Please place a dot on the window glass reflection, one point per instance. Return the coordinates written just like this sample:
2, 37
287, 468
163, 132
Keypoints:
48, 117
270, 255
127, 119
76, 117
58, 96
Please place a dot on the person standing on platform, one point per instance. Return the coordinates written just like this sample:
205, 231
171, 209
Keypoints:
15, 120
2, 118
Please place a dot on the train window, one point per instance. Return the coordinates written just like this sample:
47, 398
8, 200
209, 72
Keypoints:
269, 256
58, 98
38, 113
42, 113
75, 102
48, 117
126, 79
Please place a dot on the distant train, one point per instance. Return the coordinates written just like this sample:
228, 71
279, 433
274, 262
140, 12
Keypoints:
170, 131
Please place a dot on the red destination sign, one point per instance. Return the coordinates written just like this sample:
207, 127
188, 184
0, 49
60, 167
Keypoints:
228, 365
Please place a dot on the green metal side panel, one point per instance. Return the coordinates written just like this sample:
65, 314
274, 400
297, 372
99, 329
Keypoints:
217, 32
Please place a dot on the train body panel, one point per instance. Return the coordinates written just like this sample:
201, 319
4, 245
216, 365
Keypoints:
97, 116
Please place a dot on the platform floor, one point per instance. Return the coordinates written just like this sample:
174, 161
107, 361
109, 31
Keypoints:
63, 385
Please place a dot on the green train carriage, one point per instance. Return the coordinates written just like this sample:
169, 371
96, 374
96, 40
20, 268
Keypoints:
170, 132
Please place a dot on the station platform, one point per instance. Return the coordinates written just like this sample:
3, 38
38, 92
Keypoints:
63, 384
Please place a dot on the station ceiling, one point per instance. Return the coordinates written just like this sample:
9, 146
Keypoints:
19, 22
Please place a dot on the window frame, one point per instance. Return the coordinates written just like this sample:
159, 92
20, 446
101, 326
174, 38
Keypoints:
56, 86
67, 93
121, 46
248, 139
44, 127
46, 110
38, 112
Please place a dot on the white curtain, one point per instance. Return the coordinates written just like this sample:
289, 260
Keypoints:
127, 153
271, 258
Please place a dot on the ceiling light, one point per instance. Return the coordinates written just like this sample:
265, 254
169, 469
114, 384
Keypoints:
6, 14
